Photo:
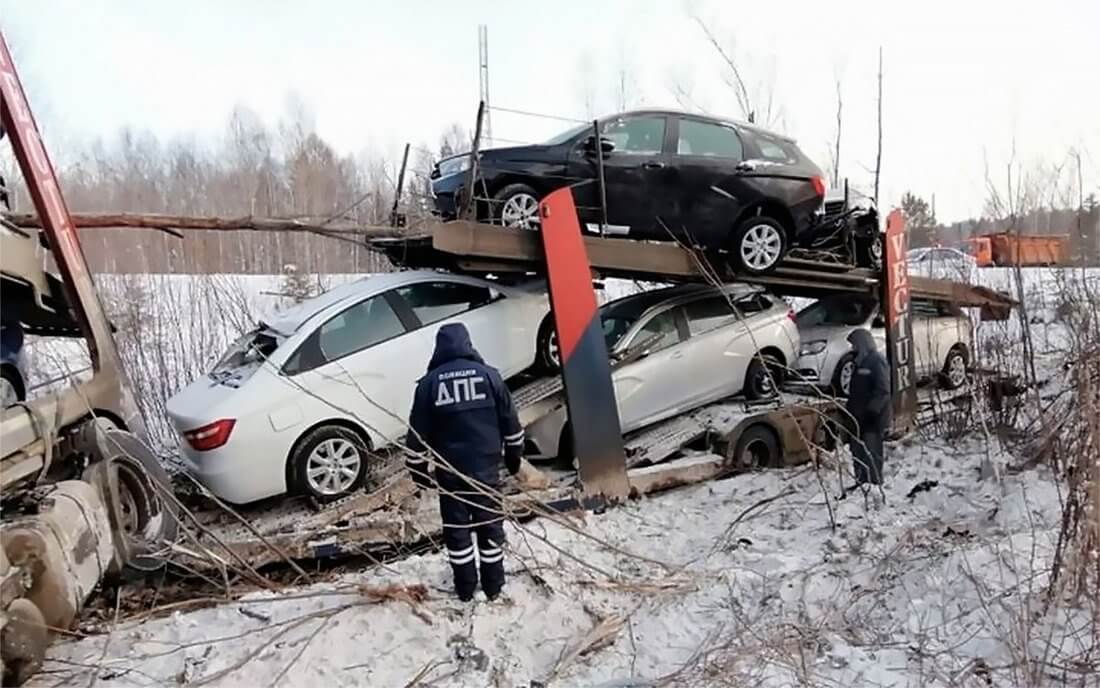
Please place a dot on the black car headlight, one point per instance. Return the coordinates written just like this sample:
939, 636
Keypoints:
454, 165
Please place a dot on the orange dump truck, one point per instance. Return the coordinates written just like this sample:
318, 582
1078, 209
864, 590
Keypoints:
1027, 249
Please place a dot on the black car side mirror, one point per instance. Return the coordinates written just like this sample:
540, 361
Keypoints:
606, 145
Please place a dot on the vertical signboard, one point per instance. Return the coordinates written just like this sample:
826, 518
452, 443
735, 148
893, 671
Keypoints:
586, 371
899, 323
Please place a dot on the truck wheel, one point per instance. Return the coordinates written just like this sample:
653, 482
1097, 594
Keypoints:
330, 462
763, 377
137, 492
953, 375
757, 447
547, 351
758, 245
516, 205
23, 642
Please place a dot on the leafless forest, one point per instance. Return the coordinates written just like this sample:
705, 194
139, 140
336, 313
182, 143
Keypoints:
286, 171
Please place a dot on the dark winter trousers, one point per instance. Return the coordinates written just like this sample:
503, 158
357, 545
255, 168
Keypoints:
868, 455
465, 513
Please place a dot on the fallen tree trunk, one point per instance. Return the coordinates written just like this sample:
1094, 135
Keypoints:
246, 223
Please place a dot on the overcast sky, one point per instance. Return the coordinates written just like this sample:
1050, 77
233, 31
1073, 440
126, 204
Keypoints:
962, 78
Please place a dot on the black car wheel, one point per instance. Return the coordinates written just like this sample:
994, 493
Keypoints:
516, 205
870, 252
547, 351
763, 378
758, 245
330, 462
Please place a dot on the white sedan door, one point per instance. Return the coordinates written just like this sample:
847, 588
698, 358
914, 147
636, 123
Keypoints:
655, 386
356, 364
718, 355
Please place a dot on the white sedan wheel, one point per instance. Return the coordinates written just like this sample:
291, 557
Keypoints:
956, 370
8, 394
333, 466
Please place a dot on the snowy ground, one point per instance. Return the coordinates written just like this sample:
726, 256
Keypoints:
733, 583
736, 582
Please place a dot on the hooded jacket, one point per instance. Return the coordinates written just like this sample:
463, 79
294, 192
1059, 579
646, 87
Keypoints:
463, 410
869, 397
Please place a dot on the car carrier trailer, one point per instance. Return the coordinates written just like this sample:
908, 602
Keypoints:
697, 445
80, 493
84, 498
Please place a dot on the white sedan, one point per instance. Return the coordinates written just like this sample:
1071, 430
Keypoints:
690, 345
301, 403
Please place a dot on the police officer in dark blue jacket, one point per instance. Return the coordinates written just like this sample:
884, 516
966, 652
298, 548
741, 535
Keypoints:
869, 403
463, 411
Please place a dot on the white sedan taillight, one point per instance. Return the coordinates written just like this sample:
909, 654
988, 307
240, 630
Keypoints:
210, 436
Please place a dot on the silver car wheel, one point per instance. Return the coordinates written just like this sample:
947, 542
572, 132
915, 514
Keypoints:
333, 466
8, 394
761, 246
552, 349
520, 211
846, 372
956, 370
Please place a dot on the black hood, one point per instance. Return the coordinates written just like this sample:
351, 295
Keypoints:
453, 342
863, 343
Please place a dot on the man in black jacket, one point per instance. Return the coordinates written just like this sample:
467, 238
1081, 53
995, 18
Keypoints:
870, 405
463, 411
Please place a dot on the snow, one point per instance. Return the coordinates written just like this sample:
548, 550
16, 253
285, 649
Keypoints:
737, 582
741, 578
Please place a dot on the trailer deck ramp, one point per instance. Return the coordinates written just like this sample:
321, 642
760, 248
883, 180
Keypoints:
479, 248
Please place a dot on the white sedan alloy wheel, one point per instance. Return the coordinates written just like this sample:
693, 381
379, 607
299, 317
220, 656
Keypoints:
333, 466
956, 370
761, 247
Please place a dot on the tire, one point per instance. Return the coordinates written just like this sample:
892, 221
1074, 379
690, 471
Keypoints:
758, 245
12, 390
23, 642
870, 252
840, 389
953, 374
327, 453
512, 207
757, 447
144, 519
763, 377
547, 352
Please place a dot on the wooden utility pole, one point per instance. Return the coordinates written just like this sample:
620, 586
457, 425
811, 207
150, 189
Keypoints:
839, 119
878, 157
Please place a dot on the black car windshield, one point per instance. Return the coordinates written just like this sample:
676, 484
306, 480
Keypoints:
847, 311
567, 135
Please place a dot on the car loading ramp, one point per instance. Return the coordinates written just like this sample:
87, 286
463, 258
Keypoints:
478, 248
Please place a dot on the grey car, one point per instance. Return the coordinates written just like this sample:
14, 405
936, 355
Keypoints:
942, 339
687, 346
